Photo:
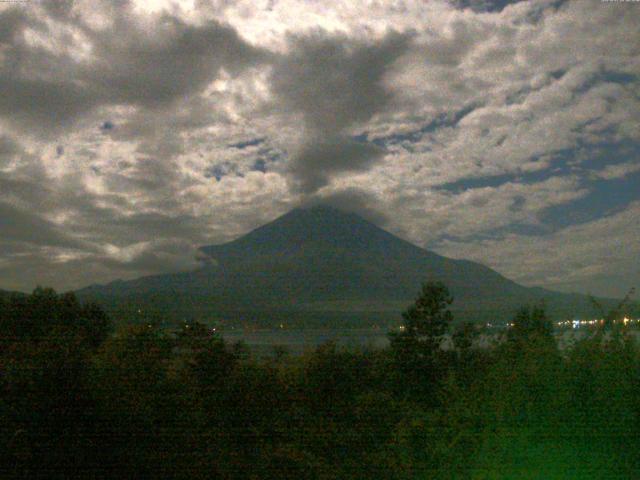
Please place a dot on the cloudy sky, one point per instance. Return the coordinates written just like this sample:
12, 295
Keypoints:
133, 132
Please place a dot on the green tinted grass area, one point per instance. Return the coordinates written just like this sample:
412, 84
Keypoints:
518, 455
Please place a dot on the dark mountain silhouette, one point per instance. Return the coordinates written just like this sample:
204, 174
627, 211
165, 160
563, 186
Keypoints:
320, 265
8, 293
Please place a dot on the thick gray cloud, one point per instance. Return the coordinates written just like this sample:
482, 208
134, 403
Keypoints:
23, 226
139, 67
42, 103
8, 148
483, 5
32, 81
319, 158
334, 83
353, 200
129, 63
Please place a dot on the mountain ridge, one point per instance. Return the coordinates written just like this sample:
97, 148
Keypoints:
319, 260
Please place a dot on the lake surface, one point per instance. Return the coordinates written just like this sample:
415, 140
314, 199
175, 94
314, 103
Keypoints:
262, 342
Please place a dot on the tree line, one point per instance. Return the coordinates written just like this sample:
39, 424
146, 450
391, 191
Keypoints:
80, 399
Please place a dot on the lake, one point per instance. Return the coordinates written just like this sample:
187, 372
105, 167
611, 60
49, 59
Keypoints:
262, 342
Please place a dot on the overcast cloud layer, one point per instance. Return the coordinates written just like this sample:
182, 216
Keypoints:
133, 132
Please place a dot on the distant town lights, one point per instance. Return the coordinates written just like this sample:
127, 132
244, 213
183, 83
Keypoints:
577, 323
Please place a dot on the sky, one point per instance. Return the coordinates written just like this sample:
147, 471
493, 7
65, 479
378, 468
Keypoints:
508, 133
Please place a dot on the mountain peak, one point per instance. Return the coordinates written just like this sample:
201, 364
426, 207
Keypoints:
318, 224
320, 211
320, 207
320, 259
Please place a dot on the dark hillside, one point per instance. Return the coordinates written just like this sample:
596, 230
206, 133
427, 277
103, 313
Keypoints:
317, 265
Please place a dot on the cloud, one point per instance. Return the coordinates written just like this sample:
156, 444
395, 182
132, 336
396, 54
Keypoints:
483, 5
425, 217
334, 83
617, 170
175, 59
132, 62
354, 200
154, 256
317, 160
8, 148
23, 226
578, 257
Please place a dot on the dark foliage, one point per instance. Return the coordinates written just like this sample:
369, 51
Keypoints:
79, 401
416, 348
531, 325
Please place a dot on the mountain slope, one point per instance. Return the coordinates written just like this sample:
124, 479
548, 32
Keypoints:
319, 265
8, 293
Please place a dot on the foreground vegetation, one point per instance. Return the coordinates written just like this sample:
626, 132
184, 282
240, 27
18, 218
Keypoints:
79, 400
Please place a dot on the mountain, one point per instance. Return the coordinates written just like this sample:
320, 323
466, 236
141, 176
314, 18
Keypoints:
6, 294
322, 266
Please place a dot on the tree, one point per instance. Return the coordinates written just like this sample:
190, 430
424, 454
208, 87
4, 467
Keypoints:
428, 319
615, 315
416, 348
34, 317
46, 341
95, 324
531, 324
463, 337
